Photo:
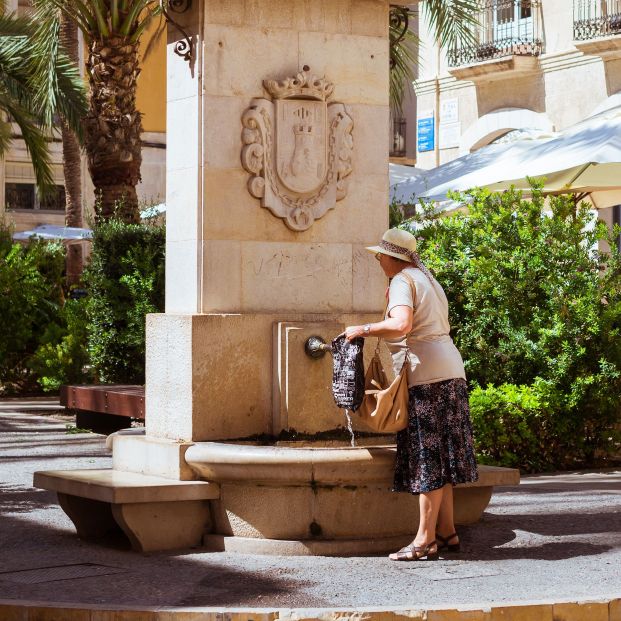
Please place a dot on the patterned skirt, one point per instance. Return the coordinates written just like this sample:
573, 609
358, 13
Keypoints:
436, 447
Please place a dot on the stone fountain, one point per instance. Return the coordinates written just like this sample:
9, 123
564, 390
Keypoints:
277, 179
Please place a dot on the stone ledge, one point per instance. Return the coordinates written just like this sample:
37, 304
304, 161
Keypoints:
608, 48
514, 66
116, 487
589, 610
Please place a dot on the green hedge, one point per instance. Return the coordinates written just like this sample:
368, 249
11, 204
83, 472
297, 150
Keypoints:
536, 314
125, 281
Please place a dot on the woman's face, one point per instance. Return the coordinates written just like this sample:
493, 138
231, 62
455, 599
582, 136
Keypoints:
390, 265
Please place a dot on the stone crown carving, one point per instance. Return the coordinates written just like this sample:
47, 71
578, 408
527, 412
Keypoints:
303, 85
298, 148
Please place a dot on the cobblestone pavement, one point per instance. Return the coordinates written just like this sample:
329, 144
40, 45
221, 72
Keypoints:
554, 537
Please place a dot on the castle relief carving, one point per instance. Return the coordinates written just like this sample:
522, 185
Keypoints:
298, 149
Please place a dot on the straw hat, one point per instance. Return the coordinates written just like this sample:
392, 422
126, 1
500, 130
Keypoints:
396, 243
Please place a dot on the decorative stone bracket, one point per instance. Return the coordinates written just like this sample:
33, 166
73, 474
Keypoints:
298, 149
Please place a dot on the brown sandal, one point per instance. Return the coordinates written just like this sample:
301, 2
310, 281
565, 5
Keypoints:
416, 553
443, 543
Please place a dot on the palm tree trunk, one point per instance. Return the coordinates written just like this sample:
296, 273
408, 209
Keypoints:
72, 169
113, 127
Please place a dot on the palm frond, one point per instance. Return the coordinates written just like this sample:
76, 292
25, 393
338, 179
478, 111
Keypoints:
35, 139
13, 26
55, 79
5, 137
403, 60
452, 21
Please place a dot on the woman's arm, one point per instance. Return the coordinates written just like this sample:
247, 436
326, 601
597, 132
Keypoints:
398, 324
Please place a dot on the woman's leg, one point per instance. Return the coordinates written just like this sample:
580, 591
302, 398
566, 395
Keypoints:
446, 524
429, 503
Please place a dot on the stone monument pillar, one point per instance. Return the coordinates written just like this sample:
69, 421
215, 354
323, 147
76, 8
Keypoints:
277, 162
277, 179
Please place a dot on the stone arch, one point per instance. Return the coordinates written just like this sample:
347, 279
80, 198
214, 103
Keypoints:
498, 122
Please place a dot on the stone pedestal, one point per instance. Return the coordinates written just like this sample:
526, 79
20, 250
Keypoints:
235, 271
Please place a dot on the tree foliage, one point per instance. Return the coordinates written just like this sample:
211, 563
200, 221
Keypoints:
451, 22
536, 312
36, 83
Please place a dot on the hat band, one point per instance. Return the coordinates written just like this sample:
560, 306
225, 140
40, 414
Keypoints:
398, 249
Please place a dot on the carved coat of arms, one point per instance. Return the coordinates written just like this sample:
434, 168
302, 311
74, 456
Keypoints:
297, 148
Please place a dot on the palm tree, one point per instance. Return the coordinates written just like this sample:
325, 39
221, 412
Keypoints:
452, 22
112, 30
72, 162
23, 66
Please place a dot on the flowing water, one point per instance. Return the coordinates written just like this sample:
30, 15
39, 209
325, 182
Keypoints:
350, 428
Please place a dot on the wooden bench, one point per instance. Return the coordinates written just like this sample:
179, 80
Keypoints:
104, 408
155, 513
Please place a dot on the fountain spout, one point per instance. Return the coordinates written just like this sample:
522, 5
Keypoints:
316, 347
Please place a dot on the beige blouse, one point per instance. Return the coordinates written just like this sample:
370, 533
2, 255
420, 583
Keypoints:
433, 355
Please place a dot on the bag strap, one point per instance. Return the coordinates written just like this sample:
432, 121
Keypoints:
410, 282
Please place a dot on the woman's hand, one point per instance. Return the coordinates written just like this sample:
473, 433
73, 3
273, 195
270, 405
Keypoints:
351, 332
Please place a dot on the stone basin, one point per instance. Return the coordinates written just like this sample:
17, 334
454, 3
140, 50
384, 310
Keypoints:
318, 500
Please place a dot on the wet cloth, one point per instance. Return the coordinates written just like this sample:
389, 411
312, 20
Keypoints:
436, 447
433, 356
347, 372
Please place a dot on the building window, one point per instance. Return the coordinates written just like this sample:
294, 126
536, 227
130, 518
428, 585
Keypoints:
596, 18
397, 139
23, 196
505, 27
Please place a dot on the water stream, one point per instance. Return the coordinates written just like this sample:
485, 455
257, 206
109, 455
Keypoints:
350, 428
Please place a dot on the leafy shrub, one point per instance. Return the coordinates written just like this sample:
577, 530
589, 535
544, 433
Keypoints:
62, 356
125, 281
31, 298
535, 305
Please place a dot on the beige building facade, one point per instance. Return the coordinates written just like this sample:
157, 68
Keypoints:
537, 66
20, 205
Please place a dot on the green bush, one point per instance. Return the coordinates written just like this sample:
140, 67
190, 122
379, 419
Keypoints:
534, 305
31, 299
62, 356
125, 281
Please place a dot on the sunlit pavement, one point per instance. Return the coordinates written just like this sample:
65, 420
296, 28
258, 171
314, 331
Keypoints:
554, 538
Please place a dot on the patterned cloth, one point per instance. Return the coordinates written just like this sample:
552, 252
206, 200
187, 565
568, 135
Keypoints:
347, 372
436, 447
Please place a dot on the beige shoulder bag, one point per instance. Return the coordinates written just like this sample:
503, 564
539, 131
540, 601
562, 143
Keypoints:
384, 408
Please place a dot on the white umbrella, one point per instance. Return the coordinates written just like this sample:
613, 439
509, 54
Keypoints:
398, 174
51, 231
586, 159
153, 211
487, 165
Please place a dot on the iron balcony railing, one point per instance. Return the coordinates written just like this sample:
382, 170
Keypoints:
505, 27
596, 18
397, 138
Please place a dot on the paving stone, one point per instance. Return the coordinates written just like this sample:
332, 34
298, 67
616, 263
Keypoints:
554, 538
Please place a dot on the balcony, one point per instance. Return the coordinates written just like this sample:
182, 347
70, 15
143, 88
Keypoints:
597, 26
509, 38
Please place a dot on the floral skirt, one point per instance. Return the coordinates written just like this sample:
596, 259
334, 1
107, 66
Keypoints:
436, 447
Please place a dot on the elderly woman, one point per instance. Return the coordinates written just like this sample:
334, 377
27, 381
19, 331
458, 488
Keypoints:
435, 451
